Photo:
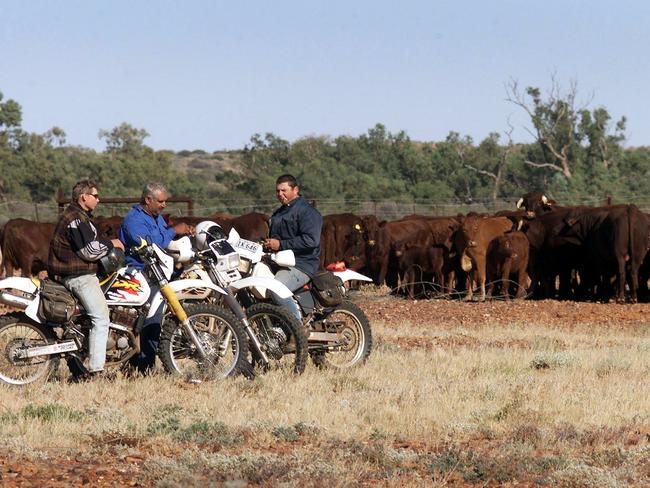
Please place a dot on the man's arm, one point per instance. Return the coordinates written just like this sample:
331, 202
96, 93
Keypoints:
84, 242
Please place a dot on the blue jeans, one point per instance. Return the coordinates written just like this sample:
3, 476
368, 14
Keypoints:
150, 336
86, 288
293, 279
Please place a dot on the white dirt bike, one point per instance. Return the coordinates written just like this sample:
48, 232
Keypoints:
201, 340
340, 335
276, 338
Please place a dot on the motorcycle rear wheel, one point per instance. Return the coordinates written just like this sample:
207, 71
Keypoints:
355, 336
266, 319
19, 332
222, 336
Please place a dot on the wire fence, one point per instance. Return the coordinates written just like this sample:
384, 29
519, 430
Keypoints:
383, 209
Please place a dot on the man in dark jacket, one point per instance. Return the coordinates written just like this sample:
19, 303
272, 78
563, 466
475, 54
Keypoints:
296, 225
72, 260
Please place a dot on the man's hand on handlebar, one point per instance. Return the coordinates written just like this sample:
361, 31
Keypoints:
271, 244
117, 243
183, 228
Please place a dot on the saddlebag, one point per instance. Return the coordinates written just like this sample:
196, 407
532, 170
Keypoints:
328, 288
57, 303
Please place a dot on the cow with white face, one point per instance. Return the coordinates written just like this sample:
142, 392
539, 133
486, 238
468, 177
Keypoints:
535, 203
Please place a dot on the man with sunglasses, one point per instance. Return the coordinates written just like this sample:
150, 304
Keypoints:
145, 221
73, 258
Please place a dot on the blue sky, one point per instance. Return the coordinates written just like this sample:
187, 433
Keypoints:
200, 74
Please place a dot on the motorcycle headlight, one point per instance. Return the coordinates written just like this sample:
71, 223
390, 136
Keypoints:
244, 266
226, 263
233, 261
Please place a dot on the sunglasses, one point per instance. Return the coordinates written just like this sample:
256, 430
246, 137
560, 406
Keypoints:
95, 195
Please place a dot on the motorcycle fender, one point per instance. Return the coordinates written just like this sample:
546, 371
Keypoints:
348, 275
193, 289
261, 284
185, 290
19, 283
26, 285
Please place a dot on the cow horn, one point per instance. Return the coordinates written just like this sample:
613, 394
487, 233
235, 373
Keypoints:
520, 224
544, 199
519, 202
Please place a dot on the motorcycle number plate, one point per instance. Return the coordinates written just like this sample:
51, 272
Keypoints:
248, 245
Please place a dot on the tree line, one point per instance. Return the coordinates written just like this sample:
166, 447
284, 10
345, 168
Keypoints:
576, 151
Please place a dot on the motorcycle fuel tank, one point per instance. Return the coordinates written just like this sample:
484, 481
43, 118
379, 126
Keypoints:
130, 287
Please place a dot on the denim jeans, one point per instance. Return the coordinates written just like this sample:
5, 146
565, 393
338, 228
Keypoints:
293, 279
150, 337
86, 288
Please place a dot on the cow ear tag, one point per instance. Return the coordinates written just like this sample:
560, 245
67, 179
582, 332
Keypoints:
357, 226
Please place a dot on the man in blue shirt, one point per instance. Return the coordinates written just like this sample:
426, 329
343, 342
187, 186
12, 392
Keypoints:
145, 221
296, 225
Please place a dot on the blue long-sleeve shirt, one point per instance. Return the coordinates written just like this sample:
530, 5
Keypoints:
297, 226
139, 224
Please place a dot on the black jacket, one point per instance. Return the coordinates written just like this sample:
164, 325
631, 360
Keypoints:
297, 226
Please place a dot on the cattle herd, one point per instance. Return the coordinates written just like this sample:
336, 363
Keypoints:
539, 250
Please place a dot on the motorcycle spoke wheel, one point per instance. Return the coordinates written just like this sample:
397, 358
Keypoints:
17, 334
282, 337
354, 338
221, 336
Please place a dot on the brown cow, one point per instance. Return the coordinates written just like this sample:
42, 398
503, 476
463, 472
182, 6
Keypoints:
340, 232
551, 256
253, 226
644, 270
614, 240
416, 230
25, 246
344, 237
508, 255
383, 252
357, 254
472, 241
107, 227
421, 265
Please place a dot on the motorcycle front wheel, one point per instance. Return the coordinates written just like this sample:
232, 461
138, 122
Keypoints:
354, 337
282, 337
18, 333
222, 337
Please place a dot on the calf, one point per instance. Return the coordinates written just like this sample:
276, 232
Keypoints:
472, 241
422, 265
508, 256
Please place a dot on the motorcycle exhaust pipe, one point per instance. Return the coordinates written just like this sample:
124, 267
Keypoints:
12, 300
